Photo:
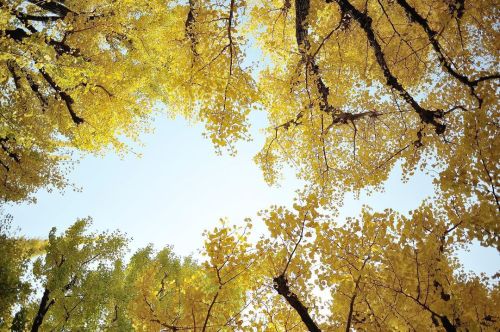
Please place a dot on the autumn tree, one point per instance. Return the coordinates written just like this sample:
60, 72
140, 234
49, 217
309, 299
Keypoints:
379, 272
14, 263
72, 277
12, 266
357, 87
351, 89
168, 293
86, 74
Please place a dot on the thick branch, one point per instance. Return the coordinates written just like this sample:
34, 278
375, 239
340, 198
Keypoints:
355, 294
32, 84
301, 12
281, 286
15, 76
432, 35
60, 47
36, 89
301, 35
301, 25
44, 306
209, 312
68, 100
351, 306
189, 24
16, 34
14, 156
365, 22
448, 326
53, 7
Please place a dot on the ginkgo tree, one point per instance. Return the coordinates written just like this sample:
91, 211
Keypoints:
80, 280
378, 272
357, 87
87, 74
351, 89
383, 271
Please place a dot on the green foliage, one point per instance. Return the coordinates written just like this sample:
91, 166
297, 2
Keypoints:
14, 260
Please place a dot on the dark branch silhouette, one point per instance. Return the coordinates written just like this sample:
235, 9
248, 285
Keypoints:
44, 306
365, 22
281, 286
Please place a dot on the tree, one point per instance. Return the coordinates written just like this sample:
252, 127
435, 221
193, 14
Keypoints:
352, 89
80, 281
379, 272
173, 295
60, 283
14, 261
357, 87
74, 274
84, 74
12, 266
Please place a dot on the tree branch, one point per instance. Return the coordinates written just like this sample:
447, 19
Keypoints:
365, 22
189, 26
209, 311
68, 100
44, 306
14, 156
432, 36
281, 286
53, 7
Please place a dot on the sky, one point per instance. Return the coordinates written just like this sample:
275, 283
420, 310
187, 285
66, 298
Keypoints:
181, 187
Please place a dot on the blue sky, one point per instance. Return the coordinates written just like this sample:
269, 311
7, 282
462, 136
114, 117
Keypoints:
180, 187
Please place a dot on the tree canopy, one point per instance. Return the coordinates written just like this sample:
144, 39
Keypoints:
351, 89
379, 272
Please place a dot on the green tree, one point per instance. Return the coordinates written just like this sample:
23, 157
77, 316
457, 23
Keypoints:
73, 278
80, 281
13, 264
